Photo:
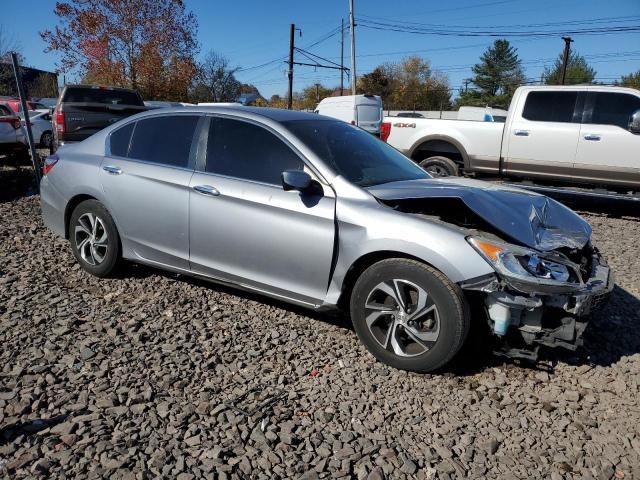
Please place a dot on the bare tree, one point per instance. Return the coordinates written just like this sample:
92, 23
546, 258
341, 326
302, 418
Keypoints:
8, 44
216, 80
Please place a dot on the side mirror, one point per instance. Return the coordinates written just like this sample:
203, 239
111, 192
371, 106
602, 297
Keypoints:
296, 180
634, 122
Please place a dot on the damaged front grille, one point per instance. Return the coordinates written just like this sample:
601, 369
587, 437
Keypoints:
583, 258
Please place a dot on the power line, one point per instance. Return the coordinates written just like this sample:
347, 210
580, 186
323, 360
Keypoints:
590, 21
323, 38
449, 31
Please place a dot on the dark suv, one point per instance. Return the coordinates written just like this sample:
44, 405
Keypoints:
82, 110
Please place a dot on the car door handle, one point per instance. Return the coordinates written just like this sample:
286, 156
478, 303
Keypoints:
206, 190
112, 170
592, 136
521, 133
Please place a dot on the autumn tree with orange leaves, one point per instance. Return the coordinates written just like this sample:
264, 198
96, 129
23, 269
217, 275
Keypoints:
148, 45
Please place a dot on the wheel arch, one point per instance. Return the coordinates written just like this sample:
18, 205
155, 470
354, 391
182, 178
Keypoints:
443, 145
71, 206
365, 261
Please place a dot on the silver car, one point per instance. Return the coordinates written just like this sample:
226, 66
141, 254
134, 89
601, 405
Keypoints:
316, 212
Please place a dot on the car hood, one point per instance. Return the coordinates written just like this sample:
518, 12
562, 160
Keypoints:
531, 219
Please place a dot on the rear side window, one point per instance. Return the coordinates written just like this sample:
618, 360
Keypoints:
165, 140
105, 96
244, 150
550, 106
613, 108
119, 143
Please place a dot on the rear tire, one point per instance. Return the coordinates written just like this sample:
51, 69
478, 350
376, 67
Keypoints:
424, 334
46, 140
440, 166
94, 238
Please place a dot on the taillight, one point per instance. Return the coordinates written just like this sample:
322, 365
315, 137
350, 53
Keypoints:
14, 121
385, 131
60, 122
353, 122
49, 163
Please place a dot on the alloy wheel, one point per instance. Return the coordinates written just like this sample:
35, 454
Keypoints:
402, 317
91, 238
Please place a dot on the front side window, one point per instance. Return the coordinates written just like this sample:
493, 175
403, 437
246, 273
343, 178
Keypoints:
244, 150
611, 108
355, 154
165, 140
550, 106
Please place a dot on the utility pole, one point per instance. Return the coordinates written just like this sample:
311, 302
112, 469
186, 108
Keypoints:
341, 56
565, 57
317, 92
353, 48
290, 74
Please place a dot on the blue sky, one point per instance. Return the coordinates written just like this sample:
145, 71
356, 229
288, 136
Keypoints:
252, 33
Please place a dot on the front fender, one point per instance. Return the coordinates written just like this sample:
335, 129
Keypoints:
366, 229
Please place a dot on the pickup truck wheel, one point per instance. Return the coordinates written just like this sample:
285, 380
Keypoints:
440, 167
409, 315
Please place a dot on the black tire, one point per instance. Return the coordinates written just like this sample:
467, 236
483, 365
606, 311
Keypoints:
46, 140
451, 314
110, 255
440, 167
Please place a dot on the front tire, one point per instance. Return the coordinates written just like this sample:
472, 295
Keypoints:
94, 238
409, 315
440, 166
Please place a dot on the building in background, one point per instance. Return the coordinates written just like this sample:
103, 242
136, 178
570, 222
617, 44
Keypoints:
38, 83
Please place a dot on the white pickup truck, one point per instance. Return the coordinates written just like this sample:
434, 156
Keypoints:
571, 135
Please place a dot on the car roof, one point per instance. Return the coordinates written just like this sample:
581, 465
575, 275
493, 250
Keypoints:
581, 87
275, 114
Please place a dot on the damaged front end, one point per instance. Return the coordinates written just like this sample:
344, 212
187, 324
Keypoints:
548, 276
540, 299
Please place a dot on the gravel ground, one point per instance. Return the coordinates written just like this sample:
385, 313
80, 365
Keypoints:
151, 375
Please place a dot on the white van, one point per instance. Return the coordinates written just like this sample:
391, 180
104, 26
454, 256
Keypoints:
482, 114
365, 111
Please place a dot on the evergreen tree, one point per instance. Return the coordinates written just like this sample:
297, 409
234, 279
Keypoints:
632, 80
578, 71
497, 75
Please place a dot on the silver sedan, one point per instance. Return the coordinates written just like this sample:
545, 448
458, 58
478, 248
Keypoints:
316, 212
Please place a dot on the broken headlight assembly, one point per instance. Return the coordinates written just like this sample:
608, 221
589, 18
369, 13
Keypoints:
526, 265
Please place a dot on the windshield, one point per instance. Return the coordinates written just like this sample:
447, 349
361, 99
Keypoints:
355, 154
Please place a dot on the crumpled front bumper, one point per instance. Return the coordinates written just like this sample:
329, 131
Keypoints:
527, 316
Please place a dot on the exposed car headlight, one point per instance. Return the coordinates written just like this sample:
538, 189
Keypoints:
522, 263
